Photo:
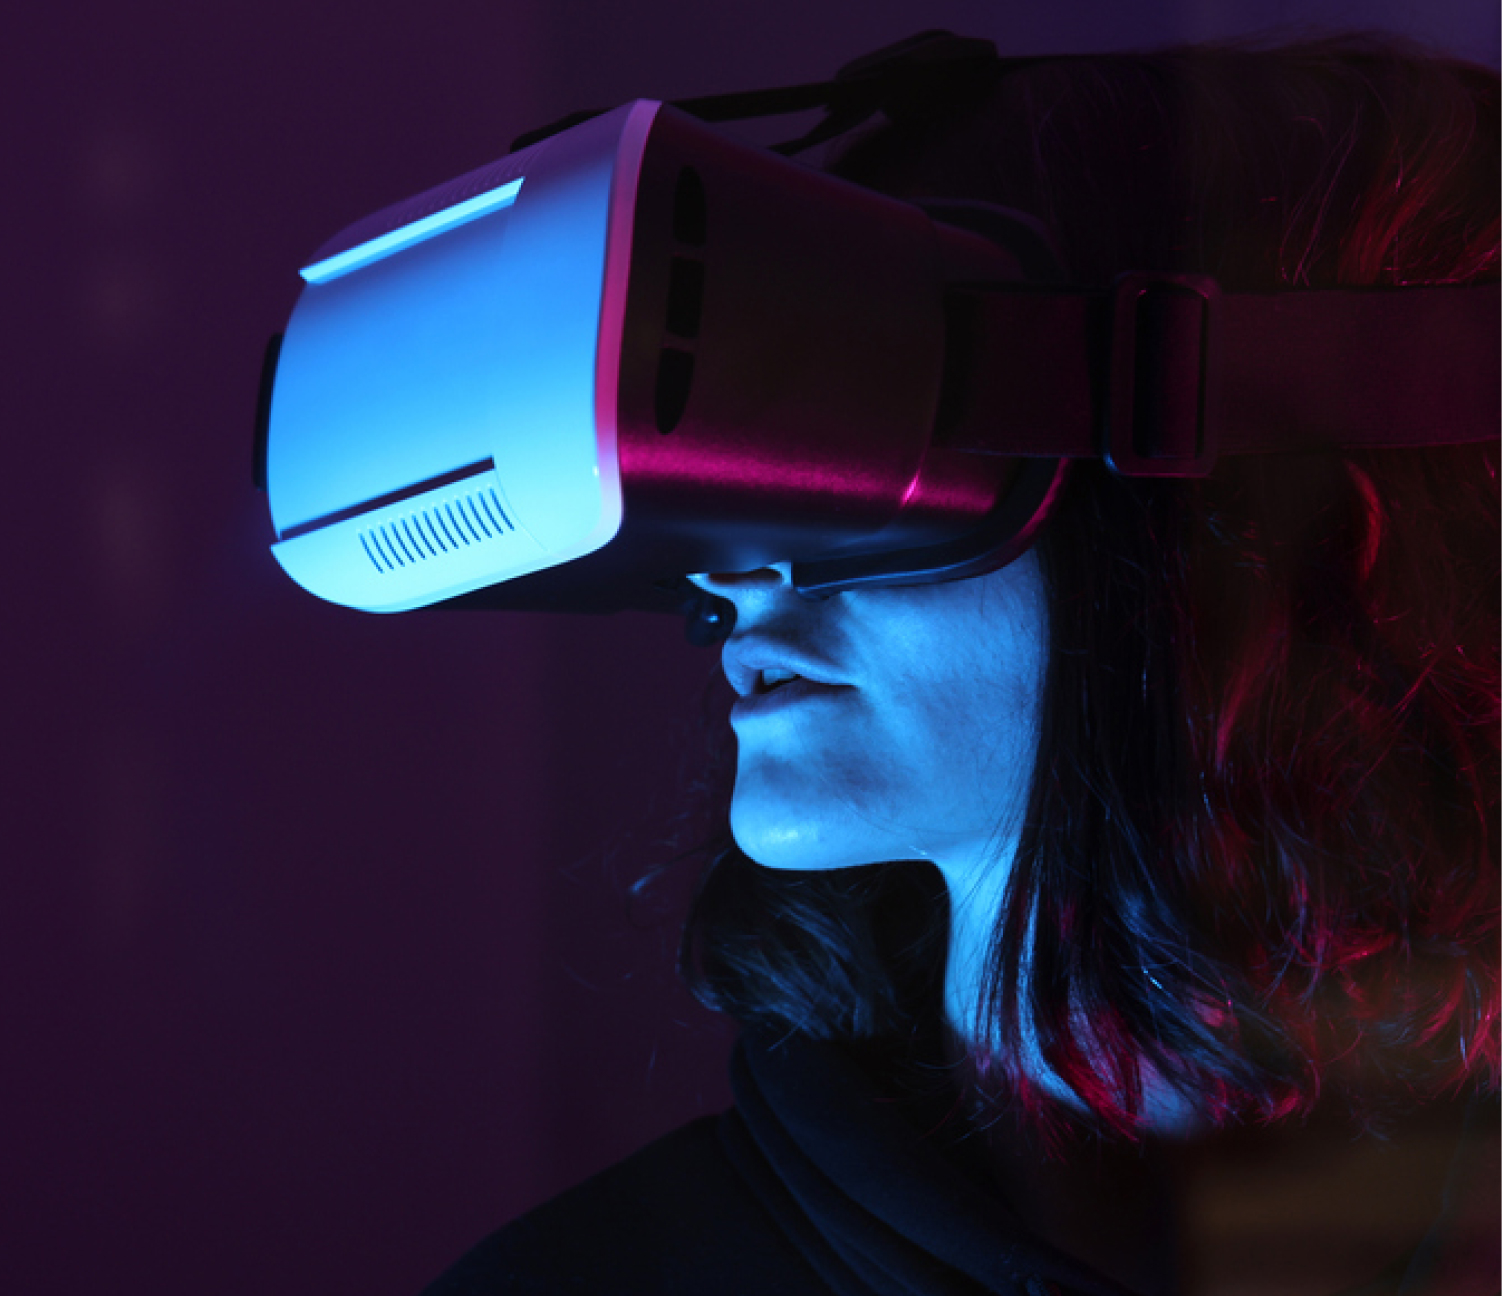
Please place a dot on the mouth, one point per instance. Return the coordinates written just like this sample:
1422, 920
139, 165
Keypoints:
770, 697
773, 678
758, 666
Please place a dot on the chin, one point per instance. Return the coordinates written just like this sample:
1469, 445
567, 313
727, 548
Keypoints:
777, 838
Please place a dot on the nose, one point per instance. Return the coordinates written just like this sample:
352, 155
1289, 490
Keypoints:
729, 597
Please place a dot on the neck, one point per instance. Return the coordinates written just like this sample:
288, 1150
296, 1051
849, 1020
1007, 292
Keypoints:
975, 899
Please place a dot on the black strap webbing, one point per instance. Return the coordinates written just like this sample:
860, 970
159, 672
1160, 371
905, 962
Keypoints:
1296, 371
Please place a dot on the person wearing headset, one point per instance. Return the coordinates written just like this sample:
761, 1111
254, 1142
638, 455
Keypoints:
1123, 919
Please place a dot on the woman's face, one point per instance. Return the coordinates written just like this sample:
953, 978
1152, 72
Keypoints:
911, 728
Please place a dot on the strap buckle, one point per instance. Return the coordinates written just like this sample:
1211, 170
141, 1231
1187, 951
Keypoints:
1162, 409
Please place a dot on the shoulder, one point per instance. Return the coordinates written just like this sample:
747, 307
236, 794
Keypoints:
675, 1217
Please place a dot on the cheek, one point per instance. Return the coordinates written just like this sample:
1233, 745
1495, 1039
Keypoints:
968, 759
969, 718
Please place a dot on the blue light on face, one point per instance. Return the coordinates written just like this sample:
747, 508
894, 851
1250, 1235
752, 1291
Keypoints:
407, 235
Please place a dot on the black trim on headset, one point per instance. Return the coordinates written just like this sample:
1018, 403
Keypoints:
1006, 533
391, 497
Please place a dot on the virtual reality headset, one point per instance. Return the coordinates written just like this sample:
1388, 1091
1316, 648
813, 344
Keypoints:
638, 348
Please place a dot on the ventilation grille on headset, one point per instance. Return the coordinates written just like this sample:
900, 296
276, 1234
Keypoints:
444, 528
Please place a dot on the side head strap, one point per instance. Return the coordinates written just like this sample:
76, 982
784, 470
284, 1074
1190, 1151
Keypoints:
1163, 373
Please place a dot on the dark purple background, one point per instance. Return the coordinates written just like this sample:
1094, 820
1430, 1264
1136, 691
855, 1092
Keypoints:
315, 952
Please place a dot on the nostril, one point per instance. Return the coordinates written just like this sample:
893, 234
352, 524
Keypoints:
710, 620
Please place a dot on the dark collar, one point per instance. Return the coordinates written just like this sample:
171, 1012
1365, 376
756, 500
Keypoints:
860, 1180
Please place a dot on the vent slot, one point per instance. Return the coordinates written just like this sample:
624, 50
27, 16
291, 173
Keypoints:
690, 209
446, 527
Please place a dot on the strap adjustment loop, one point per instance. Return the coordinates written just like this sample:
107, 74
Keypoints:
1162, 414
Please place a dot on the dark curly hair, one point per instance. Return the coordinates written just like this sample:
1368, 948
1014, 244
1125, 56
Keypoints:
1259, 853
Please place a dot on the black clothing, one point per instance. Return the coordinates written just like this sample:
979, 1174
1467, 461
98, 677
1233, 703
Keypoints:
816, 1182
819, 1182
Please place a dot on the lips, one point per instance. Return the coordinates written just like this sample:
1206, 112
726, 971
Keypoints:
797, 692
757, 665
